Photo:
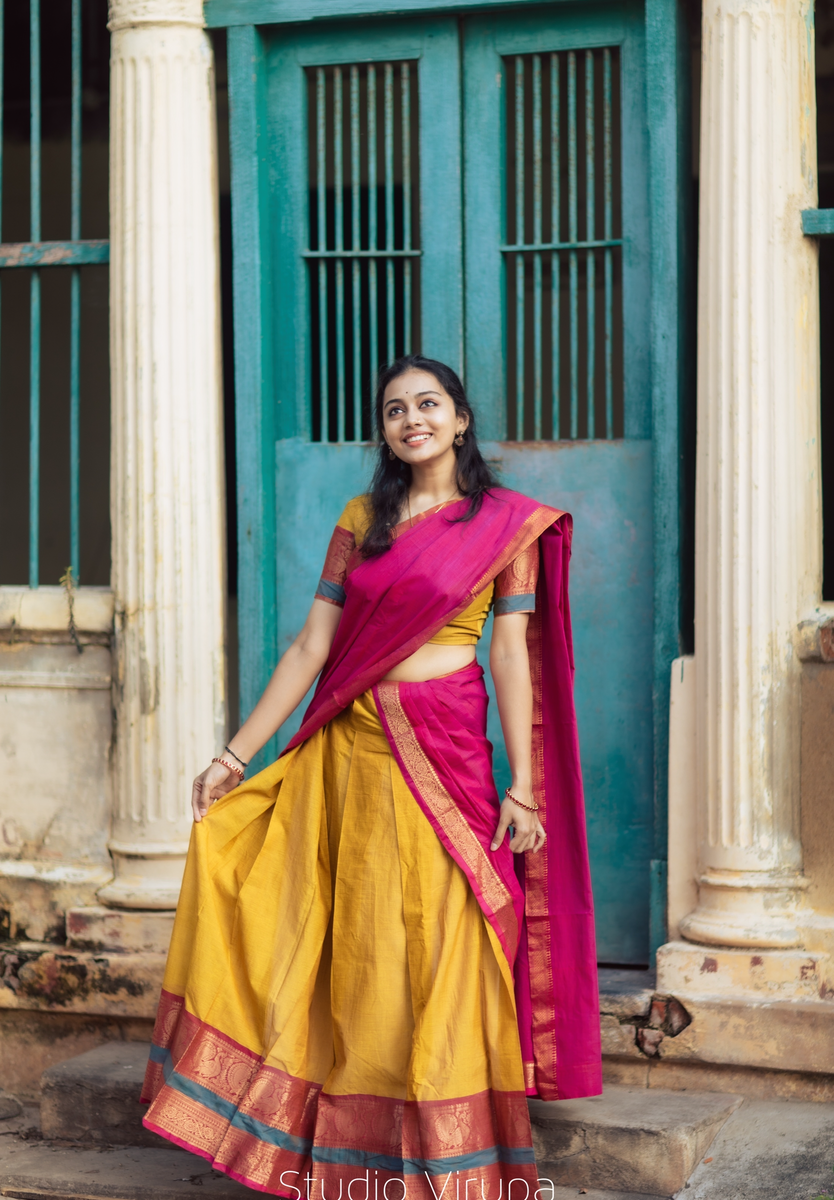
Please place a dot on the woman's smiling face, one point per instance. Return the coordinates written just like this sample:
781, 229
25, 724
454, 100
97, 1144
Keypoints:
419, 418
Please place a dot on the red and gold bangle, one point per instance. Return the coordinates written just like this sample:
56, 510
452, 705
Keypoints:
509, 796
224, 762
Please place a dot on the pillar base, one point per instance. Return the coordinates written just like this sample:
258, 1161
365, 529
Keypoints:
748, 909
684, 969
145, 876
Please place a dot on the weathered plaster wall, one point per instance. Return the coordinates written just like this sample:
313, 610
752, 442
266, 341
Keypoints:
56, 730
818, 783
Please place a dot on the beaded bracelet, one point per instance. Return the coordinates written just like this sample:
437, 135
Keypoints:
508, 794
229, 766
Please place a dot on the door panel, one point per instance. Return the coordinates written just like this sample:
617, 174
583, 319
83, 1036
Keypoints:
607, 486
313, 482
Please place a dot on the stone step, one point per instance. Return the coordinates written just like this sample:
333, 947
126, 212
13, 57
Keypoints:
96, 927
770, 1150
41, 1171
94, 1098
645, 1141
631, 1140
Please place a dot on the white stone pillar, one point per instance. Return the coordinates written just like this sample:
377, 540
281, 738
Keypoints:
167, 491
758, 536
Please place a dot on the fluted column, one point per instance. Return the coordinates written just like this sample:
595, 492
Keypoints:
758, 537
167, 492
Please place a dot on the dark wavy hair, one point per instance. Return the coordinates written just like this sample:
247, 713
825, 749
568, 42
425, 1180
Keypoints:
392, 477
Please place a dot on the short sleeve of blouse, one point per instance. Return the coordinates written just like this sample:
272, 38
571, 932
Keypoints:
515, 586
331, 586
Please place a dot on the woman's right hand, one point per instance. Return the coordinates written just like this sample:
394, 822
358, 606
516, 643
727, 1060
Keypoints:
214, 782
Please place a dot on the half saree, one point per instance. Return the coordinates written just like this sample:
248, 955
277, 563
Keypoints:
359, 994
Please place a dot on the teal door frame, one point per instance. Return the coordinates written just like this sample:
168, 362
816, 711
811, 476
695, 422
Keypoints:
259, 419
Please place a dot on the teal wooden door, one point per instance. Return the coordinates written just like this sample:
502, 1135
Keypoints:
475, 188
557, 337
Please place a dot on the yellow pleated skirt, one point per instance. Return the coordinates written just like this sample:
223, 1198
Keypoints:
336, 1006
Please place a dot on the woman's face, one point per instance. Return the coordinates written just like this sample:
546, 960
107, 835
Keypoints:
419, 419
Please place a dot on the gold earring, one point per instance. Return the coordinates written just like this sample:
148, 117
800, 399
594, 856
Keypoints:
391, 454
459, 440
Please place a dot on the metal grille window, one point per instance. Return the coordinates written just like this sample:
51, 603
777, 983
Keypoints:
364, 239
564, 246
42, 100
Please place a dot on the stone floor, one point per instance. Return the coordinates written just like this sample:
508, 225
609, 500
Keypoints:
769, 1150
766, 1150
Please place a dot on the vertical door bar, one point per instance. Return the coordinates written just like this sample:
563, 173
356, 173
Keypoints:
537, 237
555, 236
373, 237
573, 265
608, 234
389, 208
355, 243
338, 192
75, 290
519, 347
321, 196
590, 229
520, 238
35, 290
405, 75
338, 163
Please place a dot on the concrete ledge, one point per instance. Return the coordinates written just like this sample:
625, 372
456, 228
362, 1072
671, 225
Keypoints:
40, 977
34, 895
638, 1141
781, 1035
753, 1083
625, 994
635, 1019
95, 1097
625, 999
98, 928
46, 608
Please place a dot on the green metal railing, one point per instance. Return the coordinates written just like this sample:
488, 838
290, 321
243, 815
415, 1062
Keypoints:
544, 114
361, 235
37, 255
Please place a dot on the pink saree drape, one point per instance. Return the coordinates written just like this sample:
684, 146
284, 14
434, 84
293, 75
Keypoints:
539, 905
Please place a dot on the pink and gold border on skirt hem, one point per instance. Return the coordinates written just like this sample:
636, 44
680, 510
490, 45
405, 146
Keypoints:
288, 1137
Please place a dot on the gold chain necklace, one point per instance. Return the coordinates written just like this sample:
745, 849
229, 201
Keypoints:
439, 506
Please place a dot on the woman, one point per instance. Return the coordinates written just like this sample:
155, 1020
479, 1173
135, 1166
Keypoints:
373, 960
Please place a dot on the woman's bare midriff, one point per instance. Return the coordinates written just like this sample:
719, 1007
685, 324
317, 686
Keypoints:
430, 662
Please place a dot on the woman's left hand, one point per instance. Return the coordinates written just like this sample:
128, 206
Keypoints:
527, 828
